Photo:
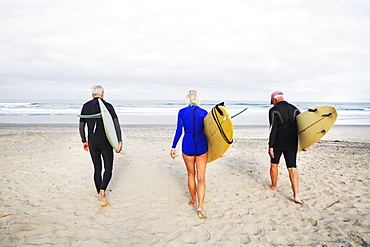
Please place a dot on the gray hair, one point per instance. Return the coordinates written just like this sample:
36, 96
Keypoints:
192, 97
97, 90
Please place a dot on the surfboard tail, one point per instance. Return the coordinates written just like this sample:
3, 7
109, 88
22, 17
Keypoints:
313, 124
218, 128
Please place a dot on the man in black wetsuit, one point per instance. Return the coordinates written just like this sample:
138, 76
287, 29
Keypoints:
283, 140
98, 143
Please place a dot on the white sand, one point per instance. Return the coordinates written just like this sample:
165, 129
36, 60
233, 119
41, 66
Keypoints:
47, 196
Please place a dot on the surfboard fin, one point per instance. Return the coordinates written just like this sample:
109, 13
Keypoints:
312, 110
218, 109
326, 115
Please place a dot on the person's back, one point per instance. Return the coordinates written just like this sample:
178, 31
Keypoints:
192, 117
283, 125
95, 125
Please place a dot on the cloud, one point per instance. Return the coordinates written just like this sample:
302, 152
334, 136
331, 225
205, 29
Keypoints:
150, 49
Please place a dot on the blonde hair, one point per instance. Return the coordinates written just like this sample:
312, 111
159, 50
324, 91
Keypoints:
97, 90
192, 97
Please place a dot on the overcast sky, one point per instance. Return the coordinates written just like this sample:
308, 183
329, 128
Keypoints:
144, 49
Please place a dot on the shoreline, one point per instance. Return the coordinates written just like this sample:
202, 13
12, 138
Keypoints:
350, 133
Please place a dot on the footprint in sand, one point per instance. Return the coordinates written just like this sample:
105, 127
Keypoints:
152, 216
188, 238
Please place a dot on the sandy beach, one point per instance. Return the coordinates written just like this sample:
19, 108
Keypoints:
47, 197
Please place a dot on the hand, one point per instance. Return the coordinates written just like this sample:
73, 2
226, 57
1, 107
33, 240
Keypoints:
173, 153
119, 147
85, 146
271, 152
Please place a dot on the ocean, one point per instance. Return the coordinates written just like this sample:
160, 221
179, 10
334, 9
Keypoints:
157, 112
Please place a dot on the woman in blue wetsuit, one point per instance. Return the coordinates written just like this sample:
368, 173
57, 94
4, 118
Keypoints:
194, 148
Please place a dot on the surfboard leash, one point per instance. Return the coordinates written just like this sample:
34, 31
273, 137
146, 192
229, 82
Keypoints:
239, 113
90, 116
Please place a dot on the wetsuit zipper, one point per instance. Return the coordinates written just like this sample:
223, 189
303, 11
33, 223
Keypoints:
98, 110
195, 132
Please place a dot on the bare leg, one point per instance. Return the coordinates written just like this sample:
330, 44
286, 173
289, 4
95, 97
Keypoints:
274, 172
196, 165
201, 165
294, 180
190, 167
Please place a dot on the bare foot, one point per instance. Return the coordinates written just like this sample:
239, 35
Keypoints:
193, 204
297, 200
101, 198
103, 201
201, 214
269, 187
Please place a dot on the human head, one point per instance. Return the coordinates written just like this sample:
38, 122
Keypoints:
97, 91
192, 97
276, 95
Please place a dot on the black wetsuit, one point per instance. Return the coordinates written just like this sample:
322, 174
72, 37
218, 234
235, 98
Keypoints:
283, 133
98, 143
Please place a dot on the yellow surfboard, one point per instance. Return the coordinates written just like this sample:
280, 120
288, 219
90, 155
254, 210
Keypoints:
219, 129
313, 124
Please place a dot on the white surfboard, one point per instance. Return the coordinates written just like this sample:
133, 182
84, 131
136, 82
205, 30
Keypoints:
109, 128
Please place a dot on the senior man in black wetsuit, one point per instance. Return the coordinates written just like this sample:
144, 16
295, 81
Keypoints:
97, 143
283, 140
